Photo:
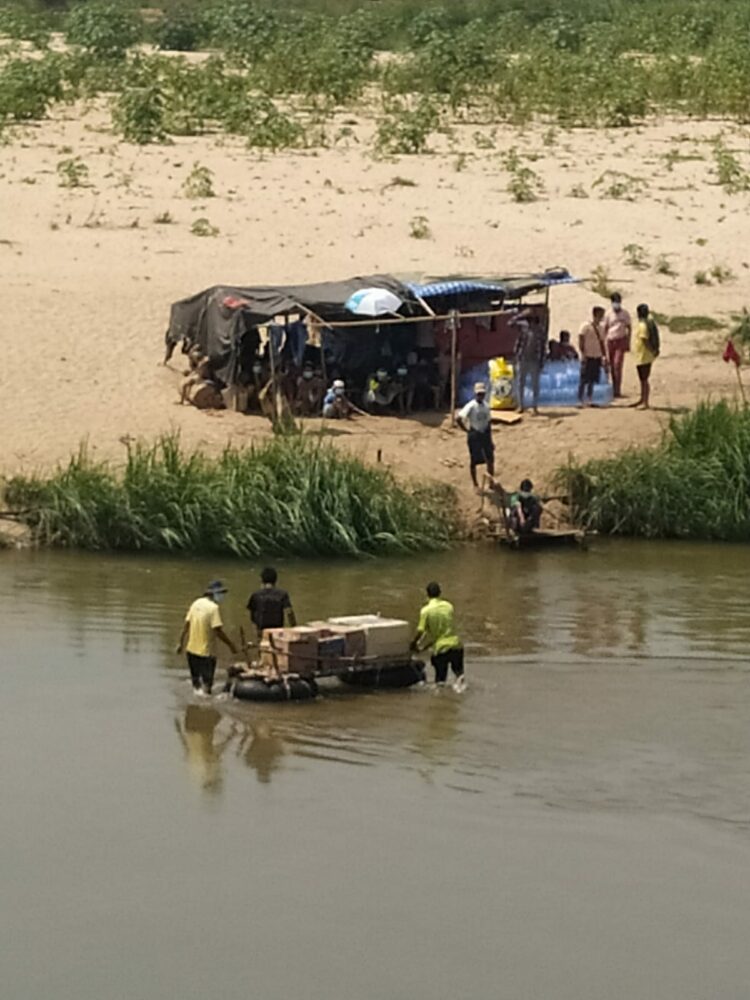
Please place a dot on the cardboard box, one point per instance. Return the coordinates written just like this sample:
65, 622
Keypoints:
355, 641
290, 651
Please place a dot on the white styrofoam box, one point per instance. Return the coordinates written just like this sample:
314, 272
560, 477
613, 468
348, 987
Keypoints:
384, 636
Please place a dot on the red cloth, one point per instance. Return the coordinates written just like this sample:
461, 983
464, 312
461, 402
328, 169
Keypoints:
730, 354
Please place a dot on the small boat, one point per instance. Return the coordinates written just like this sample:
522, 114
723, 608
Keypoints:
544, 538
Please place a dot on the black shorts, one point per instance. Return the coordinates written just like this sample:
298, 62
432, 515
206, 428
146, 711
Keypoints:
481, 448
202, 670
644, 371
590, 370
453, 658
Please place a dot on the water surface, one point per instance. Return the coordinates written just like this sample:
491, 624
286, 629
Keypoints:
575, 826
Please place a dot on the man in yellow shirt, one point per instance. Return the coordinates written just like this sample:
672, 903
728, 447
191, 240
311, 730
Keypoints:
436, 630
203, 625
646, 352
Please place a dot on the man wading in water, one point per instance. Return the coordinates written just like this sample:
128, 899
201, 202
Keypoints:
476, 419
270, 605
203, 626
436, 629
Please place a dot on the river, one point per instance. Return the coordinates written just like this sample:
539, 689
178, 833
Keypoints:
575, 826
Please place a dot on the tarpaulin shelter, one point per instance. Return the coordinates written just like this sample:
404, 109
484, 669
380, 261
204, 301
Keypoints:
472, 312
216, 319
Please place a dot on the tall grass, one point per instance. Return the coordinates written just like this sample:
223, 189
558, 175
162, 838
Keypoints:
694, 484
286, 496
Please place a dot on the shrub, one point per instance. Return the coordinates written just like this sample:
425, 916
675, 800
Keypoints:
419, 228
106, 29
199, 183
73, 173
202, 227
406, 131
182, 29
635, 256
138, 114
28, 87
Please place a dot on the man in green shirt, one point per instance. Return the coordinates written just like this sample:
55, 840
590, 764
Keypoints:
436, 630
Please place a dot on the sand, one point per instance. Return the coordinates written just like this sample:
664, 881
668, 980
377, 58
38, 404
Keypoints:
89, 275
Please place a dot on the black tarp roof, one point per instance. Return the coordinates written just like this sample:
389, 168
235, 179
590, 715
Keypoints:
216, 318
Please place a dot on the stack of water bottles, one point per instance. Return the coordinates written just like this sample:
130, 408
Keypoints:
558, 385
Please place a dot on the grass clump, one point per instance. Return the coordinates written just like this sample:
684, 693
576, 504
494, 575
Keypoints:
199, 183
693, 324
694, 484
290, 495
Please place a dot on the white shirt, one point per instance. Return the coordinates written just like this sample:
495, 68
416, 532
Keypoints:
477, 416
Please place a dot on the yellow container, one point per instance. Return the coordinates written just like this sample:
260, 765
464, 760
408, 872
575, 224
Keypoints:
501, 385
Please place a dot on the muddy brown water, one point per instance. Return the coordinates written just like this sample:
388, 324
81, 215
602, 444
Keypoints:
575, 826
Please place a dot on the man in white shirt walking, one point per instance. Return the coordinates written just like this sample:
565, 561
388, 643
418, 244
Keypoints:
476, 419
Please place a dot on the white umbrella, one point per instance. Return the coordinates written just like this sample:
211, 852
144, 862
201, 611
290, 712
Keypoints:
373, 302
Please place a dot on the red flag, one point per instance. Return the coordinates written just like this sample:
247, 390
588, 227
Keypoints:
730, 354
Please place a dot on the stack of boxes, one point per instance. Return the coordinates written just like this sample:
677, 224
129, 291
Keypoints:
305, 648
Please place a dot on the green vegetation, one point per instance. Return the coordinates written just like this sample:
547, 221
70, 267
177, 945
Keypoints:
635, 256
694, 484
203, 227
281, 69
199, 183
73, 173
290, 495
419, 228
692, 324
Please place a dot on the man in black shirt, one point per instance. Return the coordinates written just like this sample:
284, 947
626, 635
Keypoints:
270, 606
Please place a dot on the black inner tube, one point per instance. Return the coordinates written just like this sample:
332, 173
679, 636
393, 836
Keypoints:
290, 689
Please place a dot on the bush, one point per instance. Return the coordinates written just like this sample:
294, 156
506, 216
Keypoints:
405, 130
138, 114
28, 87
106, 29
182, 29
694, 484
287, 496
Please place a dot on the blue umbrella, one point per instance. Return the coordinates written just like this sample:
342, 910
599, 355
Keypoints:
373, 302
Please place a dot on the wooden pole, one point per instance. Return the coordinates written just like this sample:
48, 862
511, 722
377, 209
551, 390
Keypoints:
739, 383
454, 340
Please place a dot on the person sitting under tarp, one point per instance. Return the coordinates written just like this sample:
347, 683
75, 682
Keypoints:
336, 404
381, 392
200, 386
310, 391
524, 509
562, 349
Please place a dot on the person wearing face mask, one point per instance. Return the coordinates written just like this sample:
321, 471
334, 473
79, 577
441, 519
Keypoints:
202, 627
310, 389
617, 329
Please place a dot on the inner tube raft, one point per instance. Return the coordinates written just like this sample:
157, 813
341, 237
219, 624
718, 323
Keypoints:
290, 689
387, 677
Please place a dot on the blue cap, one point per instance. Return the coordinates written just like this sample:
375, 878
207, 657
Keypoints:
216, 587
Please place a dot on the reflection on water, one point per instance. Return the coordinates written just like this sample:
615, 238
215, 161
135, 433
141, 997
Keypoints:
203, 750
592, 785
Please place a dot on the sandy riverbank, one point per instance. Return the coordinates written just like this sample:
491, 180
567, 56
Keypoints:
89, 274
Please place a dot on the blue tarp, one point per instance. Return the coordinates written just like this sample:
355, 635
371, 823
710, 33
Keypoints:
504, 288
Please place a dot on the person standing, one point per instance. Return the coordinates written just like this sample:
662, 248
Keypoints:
436, 629
476, 419
646, 352
531, 348
202, 627
617, 329
593, 354
270, 607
